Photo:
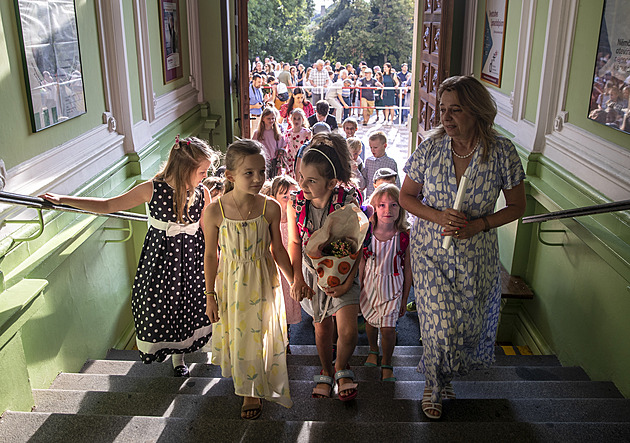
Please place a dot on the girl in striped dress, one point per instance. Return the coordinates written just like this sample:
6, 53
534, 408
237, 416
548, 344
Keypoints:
385, 273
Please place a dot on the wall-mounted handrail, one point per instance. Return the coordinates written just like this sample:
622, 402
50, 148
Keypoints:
40, 203
587, 210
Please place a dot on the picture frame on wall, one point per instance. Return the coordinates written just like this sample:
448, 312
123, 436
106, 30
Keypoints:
610, 92
51, 56
494, 41
170, 32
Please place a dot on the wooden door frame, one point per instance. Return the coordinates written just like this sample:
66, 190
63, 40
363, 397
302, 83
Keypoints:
242, 70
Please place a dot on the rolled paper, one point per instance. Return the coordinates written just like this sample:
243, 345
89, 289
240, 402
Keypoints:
459, 198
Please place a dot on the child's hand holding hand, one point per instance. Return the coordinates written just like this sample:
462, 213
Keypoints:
300, 290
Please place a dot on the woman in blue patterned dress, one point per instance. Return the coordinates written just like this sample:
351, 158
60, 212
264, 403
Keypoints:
459, 289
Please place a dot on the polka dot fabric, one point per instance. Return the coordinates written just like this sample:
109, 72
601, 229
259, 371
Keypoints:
168, 303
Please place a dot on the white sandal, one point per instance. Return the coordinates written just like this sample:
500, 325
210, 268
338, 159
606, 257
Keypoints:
428, 405
448, 392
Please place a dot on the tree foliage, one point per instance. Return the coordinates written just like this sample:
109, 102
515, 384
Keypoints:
376, 31
279, 28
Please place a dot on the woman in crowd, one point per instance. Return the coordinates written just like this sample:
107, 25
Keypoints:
389, 95
296, 101
459, 289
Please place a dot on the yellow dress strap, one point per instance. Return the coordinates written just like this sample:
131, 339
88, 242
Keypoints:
221, 206
264, 207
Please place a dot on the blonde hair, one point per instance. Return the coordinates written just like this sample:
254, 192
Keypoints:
378, 135
303, 114
354, 145
351, 121
236, 153
401, 223
261, 124
183, 161
475, 99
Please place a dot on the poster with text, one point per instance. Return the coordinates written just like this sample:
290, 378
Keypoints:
171, 40
493, 41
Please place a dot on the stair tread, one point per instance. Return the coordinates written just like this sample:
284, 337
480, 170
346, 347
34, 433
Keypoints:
300, 388
363, 409
50, 428
306, 372
307, 355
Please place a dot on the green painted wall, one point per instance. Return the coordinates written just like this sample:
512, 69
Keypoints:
18, 142
211, 63
132, 61
155, 42
581, 78
535, 68
582, 289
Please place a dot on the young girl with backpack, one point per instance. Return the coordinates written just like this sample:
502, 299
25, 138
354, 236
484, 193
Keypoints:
385, 273
324, 174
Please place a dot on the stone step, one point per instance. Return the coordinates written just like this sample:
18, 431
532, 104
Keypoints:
18, 427
308, 357
305, 372
364, 409
375, 389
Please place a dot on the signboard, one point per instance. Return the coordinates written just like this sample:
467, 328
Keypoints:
493, 41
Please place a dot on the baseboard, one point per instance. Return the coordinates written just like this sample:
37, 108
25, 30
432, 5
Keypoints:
128, 338
517, 327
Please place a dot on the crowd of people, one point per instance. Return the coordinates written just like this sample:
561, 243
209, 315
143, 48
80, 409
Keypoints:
349, 91
610, 97
226, 257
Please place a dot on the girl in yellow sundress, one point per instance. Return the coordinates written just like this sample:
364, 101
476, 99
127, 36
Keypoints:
250, 331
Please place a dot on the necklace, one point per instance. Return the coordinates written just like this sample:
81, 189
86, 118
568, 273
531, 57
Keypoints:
464, 156
244, 219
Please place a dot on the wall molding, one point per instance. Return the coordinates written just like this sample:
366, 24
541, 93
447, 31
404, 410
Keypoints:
64, 168
144, 59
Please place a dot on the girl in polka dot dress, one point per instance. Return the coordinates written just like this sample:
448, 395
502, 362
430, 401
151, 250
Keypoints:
168, 301
247, 309
296, 136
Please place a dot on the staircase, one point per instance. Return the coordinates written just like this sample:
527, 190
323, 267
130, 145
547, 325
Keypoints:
521, 398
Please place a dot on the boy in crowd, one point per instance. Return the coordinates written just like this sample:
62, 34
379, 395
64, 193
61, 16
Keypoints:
384, 175
378, 160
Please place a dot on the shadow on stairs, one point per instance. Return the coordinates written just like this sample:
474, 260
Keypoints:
520, 398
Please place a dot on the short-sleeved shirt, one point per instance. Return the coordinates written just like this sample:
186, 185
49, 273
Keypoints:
367, 94
255, 97
373, 164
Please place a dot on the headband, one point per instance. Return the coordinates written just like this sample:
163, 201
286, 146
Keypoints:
327, 158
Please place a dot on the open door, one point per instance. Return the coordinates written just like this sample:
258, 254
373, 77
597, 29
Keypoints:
242, 53
437, 55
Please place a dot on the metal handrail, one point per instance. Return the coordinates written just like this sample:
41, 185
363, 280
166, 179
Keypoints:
40, 203
577, 212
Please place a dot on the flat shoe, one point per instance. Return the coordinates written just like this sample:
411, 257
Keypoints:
257, 407
181, 371
392, 378
322, 392
341, 388
428, 405
369, 364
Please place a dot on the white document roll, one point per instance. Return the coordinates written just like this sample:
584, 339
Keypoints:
459, 198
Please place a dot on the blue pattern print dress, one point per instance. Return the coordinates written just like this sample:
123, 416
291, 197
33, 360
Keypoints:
458, 290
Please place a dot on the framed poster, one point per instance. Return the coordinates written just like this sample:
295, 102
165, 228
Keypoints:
611, 80
493, 41
171, 40
52, 61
